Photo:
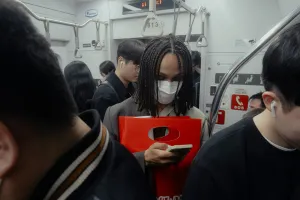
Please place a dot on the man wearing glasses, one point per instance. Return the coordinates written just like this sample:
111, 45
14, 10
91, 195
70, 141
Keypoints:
120, 85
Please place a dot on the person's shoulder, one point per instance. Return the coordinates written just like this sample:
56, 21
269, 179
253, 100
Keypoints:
103, 90
123, 107
195, 113
117, 172
226, 147
125, 174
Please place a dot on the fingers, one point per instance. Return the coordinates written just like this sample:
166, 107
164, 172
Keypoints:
164, 154
160, 146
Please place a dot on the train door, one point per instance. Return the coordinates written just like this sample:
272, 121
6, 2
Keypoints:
235, 100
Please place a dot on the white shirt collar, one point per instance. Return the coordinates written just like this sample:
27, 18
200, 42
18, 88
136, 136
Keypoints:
278, 147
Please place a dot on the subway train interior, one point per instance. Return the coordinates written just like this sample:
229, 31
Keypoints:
150, 99
223, 31
231, 36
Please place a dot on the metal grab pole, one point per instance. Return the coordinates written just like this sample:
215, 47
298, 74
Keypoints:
238, 65
152, 6
54, 21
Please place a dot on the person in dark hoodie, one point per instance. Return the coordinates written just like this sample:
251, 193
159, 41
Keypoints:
46, 150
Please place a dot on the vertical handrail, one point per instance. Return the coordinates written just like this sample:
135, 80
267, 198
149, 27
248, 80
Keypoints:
263, 42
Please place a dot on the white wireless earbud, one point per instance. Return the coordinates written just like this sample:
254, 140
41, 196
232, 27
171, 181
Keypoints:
273, 112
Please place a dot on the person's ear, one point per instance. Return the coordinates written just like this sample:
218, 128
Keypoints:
269, 99
121, 61
8, 150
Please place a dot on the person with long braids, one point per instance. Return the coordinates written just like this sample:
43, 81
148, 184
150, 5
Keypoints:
165, 88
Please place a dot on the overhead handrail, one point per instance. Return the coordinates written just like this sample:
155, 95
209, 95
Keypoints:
263, 42
194, 13
47, 22
77, 44
189, 33
180, 5
54, 21
152, 17
98, 42
176, 15
202, 40
47, 30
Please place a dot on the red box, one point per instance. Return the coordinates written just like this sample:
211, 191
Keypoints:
239, 102
170, 179
221, 117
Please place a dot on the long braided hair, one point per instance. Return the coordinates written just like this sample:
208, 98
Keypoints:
147, 91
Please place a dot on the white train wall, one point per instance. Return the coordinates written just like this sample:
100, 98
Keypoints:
60, 35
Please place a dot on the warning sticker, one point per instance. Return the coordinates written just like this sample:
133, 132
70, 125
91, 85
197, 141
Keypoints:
221, 117
239, 102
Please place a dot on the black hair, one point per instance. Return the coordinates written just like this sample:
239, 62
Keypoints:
131, 50
152, 57
107, 67
259, 97
281, 67
253, 113
196, 58
32, 86
81, 83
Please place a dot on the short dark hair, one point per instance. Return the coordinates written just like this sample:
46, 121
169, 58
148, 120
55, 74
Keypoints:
253, 112
196, 58
281, 67
107, 67
32, 85
131, 50
154, 53
81, 83
259, 97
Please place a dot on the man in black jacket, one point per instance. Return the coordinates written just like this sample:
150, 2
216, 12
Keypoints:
46, 150
120, 85
258, 158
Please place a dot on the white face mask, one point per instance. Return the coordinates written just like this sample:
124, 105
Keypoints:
167, 91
